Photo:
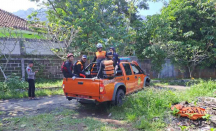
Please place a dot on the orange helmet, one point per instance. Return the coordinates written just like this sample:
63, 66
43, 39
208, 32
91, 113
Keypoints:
69, 55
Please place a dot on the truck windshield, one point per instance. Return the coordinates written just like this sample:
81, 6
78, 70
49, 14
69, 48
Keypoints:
127, 69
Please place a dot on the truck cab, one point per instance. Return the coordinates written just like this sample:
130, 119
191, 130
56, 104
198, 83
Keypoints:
129, 77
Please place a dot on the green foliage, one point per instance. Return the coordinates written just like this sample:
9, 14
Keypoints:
207, 117
106, 21
146, 105
184, 31
143, 107
213, 129
184, 128
157, 56
15, 87
13, 82
175, 111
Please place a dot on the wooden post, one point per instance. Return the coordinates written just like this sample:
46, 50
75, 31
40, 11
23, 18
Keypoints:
23, 68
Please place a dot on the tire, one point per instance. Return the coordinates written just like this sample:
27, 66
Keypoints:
147, 82
119, 97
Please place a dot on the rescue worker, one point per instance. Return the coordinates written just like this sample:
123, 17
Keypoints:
99, 55
116, 59
107, 67
79, 67
67, 66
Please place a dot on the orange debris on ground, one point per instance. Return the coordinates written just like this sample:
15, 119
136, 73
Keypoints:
192, 113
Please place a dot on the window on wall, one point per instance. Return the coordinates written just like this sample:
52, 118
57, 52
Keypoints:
127, 69
119, 72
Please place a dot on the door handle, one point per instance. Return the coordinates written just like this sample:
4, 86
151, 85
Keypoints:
128, 78
80, 83
135, 77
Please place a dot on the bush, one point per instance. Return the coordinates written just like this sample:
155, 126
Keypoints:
13, 82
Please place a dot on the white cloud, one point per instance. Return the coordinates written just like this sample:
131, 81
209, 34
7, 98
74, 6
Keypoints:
15, 5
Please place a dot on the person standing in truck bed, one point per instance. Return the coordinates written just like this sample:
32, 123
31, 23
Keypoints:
31, 80
99, 55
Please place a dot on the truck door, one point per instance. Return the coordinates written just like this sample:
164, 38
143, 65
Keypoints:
129, 78
138, 75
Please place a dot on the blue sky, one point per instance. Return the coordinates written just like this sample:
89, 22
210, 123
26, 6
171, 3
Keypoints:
154, 8
15, 5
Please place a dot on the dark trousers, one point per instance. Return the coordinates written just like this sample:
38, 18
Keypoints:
67, 75
31, 91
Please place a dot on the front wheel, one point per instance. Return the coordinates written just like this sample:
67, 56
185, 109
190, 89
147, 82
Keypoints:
119, 97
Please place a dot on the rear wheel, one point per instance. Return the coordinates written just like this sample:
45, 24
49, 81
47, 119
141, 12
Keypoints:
147, 82
119, 97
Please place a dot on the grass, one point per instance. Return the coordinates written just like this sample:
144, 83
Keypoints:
66, 120
41, 92
45, 88
48, 83
148, 109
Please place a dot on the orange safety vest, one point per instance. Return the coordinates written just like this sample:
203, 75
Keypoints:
79, 62
109, 68
101, 55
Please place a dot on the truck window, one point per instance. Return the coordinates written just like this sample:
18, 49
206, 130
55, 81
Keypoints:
136, 69
127, 69
119, 72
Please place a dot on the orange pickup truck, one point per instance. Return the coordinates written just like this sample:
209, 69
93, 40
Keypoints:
129, 78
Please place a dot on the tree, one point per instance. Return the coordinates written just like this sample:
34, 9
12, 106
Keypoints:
186, 31
110, 22
6, 49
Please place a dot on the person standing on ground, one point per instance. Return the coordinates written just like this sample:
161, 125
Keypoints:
79, 67
31, 80
67, 66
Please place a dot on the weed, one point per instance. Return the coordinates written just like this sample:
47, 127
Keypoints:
207, 117
175, 111
184, 128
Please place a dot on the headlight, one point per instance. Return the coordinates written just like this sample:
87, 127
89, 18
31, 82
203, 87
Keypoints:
63, 86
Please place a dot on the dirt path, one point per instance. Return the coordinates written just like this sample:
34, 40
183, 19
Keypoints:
17, 107
173, 87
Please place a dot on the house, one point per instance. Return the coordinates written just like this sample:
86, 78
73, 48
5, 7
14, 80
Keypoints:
10, 20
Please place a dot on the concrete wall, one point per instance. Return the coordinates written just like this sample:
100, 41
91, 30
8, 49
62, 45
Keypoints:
170, 71
48, 67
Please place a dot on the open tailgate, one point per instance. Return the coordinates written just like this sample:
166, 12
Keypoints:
80, 86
